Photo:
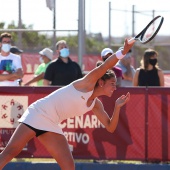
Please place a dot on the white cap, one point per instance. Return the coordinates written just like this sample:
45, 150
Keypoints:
106, 51
47, 52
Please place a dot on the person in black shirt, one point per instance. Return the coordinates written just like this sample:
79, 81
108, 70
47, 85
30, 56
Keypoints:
149, 74
63, 70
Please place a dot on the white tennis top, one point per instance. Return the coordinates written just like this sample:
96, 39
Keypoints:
48, 112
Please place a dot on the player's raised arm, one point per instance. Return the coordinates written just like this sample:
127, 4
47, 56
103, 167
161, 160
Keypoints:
98, 72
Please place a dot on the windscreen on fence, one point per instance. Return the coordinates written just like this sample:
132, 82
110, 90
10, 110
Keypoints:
141, 134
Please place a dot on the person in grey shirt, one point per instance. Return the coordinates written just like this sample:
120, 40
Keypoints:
128, 71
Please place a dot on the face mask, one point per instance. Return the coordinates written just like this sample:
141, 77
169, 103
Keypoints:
41, 60
6, 47
153, 61
64, 52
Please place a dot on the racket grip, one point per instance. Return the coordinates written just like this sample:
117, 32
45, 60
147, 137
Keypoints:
132, 40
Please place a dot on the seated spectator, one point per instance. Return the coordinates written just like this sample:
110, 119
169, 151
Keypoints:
149, 73
16, 50
128, 70
107, 52
46, 56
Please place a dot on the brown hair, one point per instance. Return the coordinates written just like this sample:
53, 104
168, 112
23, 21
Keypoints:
60, 42
5, 35
147, 55
108, 75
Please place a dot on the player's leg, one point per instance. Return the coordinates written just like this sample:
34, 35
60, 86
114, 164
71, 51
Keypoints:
17, 142
58, 147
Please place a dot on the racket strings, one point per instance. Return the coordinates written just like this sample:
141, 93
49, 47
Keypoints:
151, 30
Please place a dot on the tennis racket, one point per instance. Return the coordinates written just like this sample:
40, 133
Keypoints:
150, 31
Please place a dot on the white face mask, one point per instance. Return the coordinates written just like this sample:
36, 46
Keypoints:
64, 52
6, 47
41, 60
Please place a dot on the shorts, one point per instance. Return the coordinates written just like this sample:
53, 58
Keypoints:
37, 131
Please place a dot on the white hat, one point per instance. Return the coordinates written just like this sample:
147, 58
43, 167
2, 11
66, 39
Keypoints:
47, 52
106, 51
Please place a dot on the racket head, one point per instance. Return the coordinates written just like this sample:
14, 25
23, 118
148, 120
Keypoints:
151, 30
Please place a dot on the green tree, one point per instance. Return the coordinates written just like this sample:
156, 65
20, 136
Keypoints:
31, 39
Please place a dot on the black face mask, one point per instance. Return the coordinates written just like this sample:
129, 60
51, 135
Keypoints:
153, 61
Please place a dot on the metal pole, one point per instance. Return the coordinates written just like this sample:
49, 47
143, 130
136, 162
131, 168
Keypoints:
19, 44
81, 31
153, 41
133, 20
110, 24
84, 28
133, 34
153, 14
54, 25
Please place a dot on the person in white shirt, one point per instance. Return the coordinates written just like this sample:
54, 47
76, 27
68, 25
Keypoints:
10, 64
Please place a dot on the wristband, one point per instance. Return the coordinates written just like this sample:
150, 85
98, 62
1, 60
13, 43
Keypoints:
119, 54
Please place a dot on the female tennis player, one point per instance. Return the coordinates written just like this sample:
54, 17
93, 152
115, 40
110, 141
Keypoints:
41, 119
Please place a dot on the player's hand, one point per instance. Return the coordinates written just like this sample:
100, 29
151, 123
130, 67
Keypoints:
127, 46
122, 100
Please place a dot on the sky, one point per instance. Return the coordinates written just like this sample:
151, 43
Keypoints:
36, 13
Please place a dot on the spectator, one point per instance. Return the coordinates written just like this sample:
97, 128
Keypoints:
10, 64
46, 56
16, 50
107, 52
149, 74
128, 70
63, 70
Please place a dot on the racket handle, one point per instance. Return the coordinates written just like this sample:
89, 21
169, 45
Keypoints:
132, 40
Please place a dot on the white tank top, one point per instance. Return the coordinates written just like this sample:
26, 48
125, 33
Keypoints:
48, 112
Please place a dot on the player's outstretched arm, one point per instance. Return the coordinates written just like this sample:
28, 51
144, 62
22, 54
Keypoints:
99, 71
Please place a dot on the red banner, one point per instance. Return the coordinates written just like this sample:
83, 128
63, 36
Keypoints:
30, 63
141, 134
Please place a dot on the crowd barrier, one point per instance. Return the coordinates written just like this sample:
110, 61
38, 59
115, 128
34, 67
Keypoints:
142, 132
